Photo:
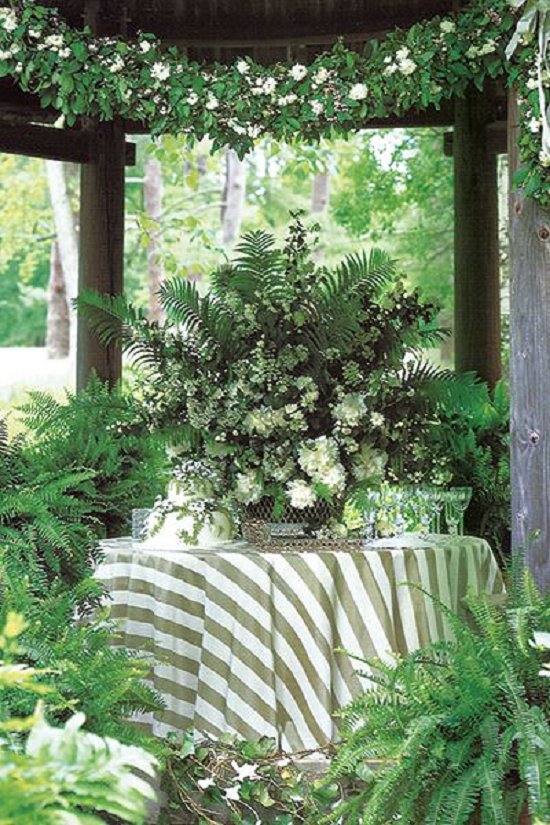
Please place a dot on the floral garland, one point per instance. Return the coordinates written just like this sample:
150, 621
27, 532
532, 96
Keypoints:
103, 77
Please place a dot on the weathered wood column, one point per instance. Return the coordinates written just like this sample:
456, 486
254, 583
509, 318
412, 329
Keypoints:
529, 373
477, 286
101, 261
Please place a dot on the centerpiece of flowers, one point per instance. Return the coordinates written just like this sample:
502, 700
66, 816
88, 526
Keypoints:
284, 383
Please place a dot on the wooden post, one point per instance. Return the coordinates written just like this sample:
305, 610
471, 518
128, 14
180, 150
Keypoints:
529, 372
101, 260
477, 292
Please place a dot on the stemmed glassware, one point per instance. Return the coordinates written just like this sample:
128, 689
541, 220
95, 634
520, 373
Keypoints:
394, 510
457, 500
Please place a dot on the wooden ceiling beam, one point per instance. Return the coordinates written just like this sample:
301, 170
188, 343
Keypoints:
33, 140
497, 139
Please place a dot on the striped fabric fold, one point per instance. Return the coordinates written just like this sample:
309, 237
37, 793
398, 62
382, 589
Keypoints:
265, 644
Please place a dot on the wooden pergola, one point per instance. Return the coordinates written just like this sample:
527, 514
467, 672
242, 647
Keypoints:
482, 124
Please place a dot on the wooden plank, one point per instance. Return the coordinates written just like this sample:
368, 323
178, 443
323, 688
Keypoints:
529, 373
497, 139
71, 145
477, 288
101, 254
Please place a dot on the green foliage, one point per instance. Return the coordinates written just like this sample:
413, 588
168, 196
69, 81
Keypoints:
456, 728
101, 432
232, 780
433, 61
83, 667
61, 776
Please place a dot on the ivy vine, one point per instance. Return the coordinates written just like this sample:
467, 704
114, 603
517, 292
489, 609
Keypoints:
341, 90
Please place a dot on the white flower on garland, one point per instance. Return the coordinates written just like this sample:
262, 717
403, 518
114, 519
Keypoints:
534, 125
407, 66
317, 107
145, 46
54, 41
358, 92
377, 419
116, 66
269, 86
248, 489
212, 103
8, 19
286, 100
447, 26
321, 75
350, 410
160, 71
298, 72
192, 98
544, 158
321, 461
243, 67
301, 494
232, 794
246, 771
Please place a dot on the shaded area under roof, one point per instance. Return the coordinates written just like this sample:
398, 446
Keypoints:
268, 30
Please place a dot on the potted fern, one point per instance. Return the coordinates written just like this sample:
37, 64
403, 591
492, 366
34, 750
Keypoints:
285, 381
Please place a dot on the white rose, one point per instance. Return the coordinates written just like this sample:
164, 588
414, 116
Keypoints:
358, 92
301, 494
298, 72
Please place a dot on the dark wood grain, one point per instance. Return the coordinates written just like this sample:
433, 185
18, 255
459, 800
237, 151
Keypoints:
477, 288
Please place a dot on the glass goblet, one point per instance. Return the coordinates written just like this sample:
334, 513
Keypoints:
452, 513
462, 497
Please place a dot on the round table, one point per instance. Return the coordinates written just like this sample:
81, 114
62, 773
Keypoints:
264, 644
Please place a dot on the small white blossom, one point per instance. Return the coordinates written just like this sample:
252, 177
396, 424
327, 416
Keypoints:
212, 103
145, 46
301, 494
544, 158
298, 72
205, 783
232, 793
160, 71
350, 410
358, 92
54, 41
377, 419
243, 67
321, 75
534, 125
269, 86
447, 26
402, 54
117, 65
286, 100
248, 489
246, 771
8, 19
317, 107
407, 66
532, 83
192, 98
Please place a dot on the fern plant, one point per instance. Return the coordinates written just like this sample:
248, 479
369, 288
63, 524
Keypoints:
460, 730
280, 361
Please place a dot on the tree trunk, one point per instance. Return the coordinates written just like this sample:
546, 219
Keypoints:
233, 197
58, 321
529, 374
152, 199
67, 238
320, 193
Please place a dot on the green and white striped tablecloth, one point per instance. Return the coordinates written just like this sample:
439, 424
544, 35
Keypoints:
248, 642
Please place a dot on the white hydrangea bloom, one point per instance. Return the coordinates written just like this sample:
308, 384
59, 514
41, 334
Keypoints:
248, 489
350, 409
358, 92
301, 494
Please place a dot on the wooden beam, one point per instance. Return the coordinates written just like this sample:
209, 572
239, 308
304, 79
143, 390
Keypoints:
477, 287
529, 373
497, 139
71, 145
101, 256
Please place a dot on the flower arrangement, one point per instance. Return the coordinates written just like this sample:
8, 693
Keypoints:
286, 382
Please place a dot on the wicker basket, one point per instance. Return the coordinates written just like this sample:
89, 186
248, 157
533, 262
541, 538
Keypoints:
294, 530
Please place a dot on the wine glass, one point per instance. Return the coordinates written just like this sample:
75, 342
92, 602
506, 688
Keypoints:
452, 512
462, 498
